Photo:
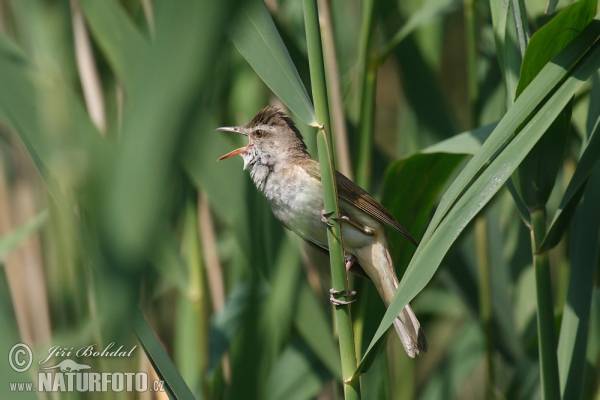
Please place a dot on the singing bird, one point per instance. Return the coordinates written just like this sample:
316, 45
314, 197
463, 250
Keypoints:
290, 180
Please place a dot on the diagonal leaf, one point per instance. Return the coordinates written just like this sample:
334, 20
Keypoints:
164, 367
312, 324
257, 39
431, 252
297, 375
13, 239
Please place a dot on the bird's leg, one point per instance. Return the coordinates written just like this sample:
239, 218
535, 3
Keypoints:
332, 292
324, 216
365, 229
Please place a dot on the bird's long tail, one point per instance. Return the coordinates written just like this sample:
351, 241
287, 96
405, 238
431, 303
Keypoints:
380, 269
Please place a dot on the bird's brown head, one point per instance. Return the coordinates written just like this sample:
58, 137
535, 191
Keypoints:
272, 136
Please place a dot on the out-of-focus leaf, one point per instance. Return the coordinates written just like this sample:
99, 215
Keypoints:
228, 322
13, 239
525, 384
167, 82
471, 199
583, 256
420, 83
427, 13
464, 143
50, 122
117, 35
297, 375
256, 37
175, 386
463, 357
551, 6
312, 324
535, 177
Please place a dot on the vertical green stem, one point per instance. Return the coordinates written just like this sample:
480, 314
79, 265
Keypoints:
366, 97
545, 310
485, 300
472, 76
365, 129
334, 235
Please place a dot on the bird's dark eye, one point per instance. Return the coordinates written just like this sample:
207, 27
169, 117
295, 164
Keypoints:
259, 134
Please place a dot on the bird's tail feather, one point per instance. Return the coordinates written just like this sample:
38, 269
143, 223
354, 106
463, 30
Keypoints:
410, 333
407, 325
377, 263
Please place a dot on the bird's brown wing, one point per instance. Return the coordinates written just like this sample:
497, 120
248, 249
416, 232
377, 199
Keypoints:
359, 198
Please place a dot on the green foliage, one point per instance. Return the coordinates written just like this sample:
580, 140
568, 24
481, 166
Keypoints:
130, 232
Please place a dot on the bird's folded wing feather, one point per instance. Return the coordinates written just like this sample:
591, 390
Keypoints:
359, 198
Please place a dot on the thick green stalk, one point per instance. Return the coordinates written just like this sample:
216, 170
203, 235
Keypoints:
366, 96
545, 310
334, 235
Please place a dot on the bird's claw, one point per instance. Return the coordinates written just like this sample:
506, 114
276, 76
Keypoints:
325, 216
338, 302
365, 229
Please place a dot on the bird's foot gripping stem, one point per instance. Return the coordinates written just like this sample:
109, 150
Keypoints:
338, 302
365, 229
325, 217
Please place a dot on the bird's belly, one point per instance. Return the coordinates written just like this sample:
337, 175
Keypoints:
297, 203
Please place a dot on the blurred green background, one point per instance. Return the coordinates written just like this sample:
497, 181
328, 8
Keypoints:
118, 225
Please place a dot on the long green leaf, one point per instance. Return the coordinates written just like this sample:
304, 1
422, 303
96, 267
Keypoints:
164, 367
257, 39
431, 252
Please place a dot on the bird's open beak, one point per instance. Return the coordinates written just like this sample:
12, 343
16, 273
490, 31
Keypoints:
236, 152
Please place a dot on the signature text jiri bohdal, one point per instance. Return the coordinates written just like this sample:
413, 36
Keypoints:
92, 350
